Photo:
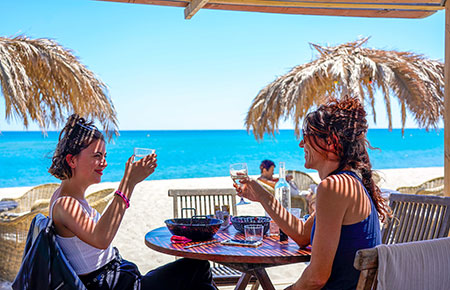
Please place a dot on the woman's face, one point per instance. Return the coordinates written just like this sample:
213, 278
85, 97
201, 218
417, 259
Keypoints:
89, 164
313, 158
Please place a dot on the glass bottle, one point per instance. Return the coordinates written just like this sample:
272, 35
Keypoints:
283, 194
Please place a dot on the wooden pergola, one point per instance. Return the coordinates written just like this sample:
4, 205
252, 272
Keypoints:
353, 8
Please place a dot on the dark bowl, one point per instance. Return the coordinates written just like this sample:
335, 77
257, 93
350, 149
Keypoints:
240, 221
194, 229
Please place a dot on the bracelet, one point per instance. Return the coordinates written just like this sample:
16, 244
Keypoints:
125, 199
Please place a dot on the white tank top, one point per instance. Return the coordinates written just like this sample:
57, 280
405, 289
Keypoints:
83, 257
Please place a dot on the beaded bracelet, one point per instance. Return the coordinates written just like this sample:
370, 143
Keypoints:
125, 199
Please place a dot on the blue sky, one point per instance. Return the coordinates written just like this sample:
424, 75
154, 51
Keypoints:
164, 72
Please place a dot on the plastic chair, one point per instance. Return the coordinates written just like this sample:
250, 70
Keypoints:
204, 201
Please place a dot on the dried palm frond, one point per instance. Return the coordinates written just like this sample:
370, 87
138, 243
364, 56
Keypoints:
350, 69
44, 82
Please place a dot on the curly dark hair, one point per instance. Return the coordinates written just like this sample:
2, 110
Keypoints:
76, 135
266, 164
342, 125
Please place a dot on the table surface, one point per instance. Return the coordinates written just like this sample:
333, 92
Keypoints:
271, 253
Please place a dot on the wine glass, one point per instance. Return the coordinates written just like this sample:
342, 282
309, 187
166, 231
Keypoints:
238, 172
140, 153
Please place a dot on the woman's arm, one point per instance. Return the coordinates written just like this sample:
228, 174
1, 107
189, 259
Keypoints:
332, 203
69, 212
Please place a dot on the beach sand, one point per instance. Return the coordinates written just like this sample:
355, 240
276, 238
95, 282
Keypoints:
150, 206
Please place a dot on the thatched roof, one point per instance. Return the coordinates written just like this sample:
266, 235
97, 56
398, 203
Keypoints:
351, 69
44, 83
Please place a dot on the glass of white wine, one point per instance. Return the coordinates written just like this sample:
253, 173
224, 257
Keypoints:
238, 172
140, 153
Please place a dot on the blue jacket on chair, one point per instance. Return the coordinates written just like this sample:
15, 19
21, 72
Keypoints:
44, 265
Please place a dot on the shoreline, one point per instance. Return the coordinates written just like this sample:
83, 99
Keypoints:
150, 205
419, 175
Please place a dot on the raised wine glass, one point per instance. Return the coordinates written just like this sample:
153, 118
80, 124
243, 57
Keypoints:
238, 172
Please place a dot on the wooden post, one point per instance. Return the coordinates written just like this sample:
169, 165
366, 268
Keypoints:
447, 102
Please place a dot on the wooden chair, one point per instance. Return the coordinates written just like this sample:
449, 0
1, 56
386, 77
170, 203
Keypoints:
204, 200
415, 218
27, 200
433, 186
302, 180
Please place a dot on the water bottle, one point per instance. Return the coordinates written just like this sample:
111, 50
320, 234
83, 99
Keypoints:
283, 194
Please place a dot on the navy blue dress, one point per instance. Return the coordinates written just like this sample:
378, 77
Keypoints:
362, 235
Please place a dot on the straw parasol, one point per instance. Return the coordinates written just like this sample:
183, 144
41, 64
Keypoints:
44, 82
351, 69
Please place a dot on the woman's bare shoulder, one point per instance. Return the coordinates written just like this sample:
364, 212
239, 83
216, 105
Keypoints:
338, 184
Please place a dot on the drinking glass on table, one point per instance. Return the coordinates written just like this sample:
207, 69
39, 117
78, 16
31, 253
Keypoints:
140, 153
238, 172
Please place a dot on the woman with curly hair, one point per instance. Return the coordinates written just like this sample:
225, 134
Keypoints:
348, 205
85, 236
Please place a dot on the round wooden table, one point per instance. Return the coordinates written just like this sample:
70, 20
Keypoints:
249, 260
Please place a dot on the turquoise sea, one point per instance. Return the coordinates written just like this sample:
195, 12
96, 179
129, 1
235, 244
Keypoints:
26, 156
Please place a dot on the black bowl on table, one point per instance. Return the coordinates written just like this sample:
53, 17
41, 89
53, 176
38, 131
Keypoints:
240, 221
196, 229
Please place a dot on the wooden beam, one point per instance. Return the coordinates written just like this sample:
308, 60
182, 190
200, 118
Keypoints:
447, 102
193, 7
325, 11
379, 13
315, 4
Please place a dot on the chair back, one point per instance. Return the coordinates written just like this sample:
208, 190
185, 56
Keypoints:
416, 218
433, 186
100, 199
203, 200
413, 265
302, 180
27, 200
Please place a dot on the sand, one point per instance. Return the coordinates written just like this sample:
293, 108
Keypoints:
150, 206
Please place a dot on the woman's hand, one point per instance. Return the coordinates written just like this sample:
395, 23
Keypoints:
136, 171
250, 189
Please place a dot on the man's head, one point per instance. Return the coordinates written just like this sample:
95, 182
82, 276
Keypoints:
267, 167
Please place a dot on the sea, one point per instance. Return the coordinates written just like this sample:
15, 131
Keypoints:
26, 156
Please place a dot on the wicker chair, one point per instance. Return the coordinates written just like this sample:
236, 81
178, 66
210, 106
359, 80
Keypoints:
27, 200
434, 186
97, 200
13, 236
204, 200
100, 199
302, 180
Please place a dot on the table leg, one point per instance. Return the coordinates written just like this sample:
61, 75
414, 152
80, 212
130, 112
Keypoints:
263, 279
243, 281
